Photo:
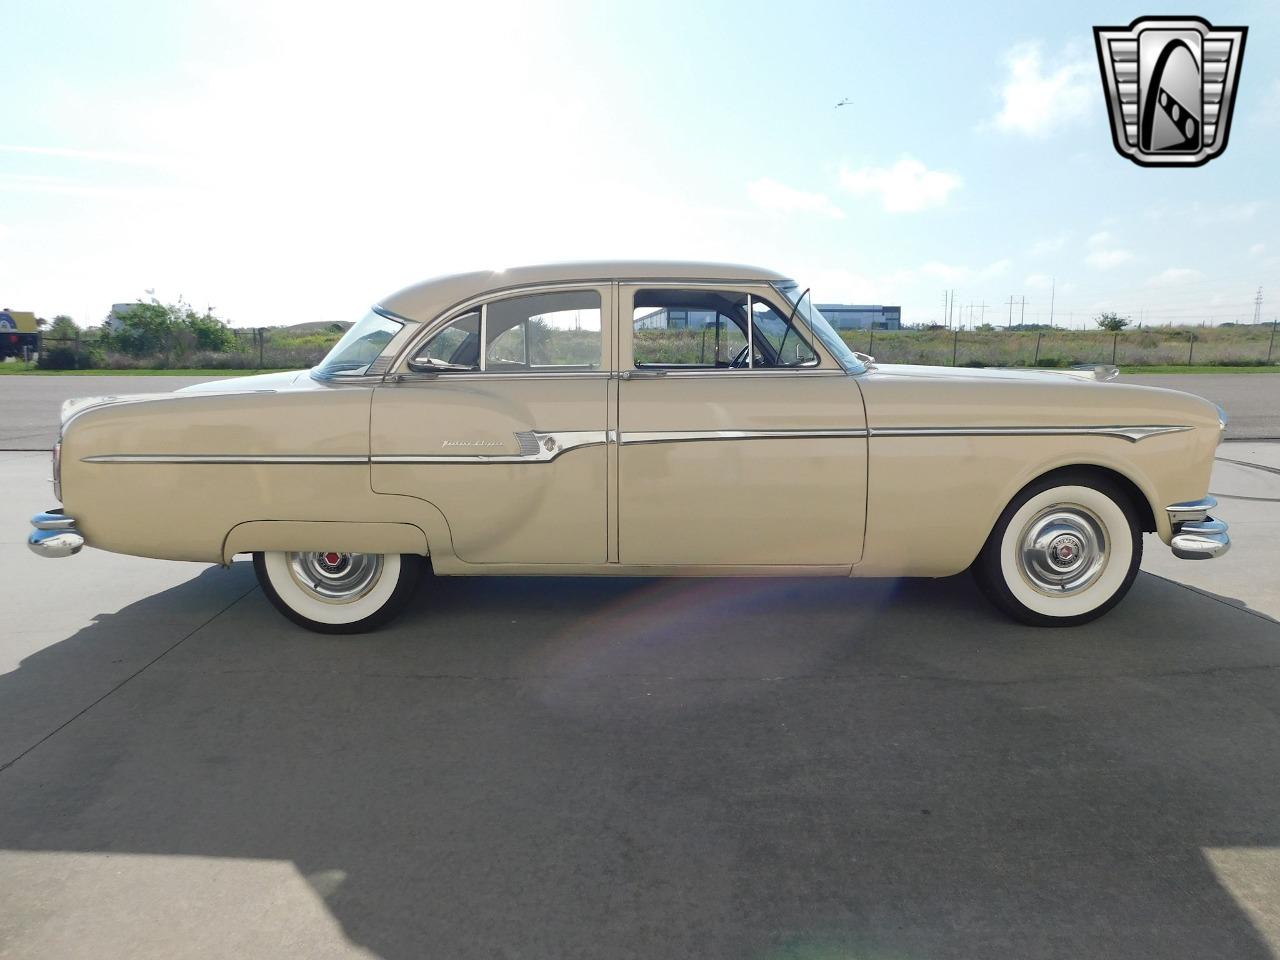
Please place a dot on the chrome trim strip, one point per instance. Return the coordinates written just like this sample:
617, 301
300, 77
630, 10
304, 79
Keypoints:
536, 446
737, 372
1131, 433
1191, 510
55, 543
551, 444
1202, 540
53, 520
224, 458
445, 376
55, 535
678, 436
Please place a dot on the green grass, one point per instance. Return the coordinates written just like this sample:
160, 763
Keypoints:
1207, 368
27, 369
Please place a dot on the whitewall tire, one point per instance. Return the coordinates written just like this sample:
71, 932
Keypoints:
1064, 552
338, 592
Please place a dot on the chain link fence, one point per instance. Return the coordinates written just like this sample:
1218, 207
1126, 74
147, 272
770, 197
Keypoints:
1253, 345
254, 349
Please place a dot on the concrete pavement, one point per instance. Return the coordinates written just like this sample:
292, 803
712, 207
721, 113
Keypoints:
574, 768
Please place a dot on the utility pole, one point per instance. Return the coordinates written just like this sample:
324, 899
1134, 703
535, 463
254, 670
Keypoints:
1022, 317
1257, 306
983, 318
944, 307
1052, 291
1009, 325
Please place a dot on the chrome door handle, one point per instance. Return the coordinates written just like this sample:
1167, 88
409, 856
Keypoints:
641, 374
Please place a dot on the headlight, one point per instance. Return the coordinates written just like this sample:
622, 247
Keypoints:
57, 471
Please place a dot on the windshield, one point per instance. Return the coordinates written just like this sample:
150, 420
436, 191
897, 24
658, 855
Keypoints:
821, 327
359, 346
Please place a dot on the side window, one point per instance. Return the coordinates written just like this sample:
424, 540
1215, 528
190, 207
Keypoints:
787, 348
456, 347
543, 331
708, 329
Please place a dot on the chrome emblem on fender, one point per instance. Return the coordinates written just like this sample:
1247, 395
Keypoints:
1170, 84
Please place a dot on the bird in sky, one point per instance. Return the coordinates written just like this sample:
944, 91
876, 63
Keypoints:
844, 103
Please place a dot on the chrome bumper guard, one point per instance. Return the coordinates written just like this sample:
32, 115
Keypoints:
55, 535
1196, 535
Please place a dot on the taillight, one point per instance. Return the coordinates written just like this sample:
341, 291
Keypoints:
57, 471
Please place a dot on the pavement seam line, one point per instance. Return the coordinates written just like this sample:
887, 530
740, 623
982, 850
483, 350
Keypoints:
1212, 596
162, 654
1245, 463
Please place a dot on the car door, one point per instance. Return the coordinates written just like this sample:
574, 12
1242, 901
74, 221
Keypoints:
741, 441
501, 425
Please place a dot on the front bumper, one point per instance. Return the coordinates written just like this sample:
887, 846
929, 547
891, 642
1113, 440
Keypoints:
1196, 535
55, 535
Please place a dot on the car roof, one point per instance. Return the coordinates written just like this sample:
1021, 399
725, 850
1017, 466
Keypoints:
428, 299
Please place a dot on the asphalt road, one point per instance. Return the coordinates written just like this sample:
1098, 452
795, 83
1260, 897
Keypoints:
30, 405
634, 769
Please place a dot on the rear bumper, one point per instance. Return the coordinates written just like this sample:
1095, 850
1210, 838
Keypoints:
55, 535
1196, 535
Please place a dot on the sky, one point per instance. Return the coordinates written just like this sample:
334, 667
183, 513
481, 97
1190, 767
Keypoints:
287, 162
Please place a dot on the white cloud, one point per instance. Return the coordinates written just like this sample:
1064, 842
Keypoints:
1103, 254
76, 153
1037, 102
1257, 250
1049, 245
1038, 281
1175, 275
1107, 259
905, 187
775, 197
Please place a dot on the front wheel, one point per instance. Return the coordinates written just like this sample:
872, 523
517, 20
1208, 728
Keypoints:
338, 592
1064, 552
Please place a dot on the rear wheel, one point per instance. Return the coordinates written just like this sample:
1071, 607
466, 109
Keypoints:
333, 592
1064, 552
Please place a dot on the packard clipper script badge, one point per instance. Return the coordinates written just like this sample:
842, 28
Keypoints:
1170, 84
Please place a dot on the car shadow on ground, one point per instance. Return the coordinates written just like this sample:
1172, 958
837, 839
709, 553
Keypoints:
719, 768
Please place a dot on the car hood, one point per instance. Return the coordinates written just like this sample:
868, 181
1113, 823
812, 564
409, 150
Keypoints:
1098, 373
260, 381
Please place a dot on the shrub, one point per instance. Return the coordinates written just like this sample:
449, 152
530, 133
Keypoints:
57, 358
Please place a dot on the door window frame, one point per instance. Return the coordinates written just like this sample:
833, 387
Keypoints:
605, 289
627, 289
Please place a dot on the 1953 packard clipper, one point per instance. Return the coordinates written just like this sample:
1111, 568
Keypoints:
641, 419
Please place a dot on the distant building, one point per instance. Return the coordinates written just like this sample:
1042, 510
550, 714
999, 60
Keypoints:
116, 318
19, 334
671, 318
856, 316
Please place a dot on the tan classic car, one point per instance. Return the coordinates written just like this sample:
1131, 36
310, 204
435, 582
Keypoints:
638, 419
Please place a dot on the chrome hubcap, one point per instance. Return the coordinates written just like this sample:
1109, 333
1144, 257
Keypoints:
336, 577
1062, 550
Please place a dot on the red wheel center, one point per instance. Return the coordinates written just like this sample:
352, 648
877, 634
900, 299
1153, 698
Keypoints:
332, 559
